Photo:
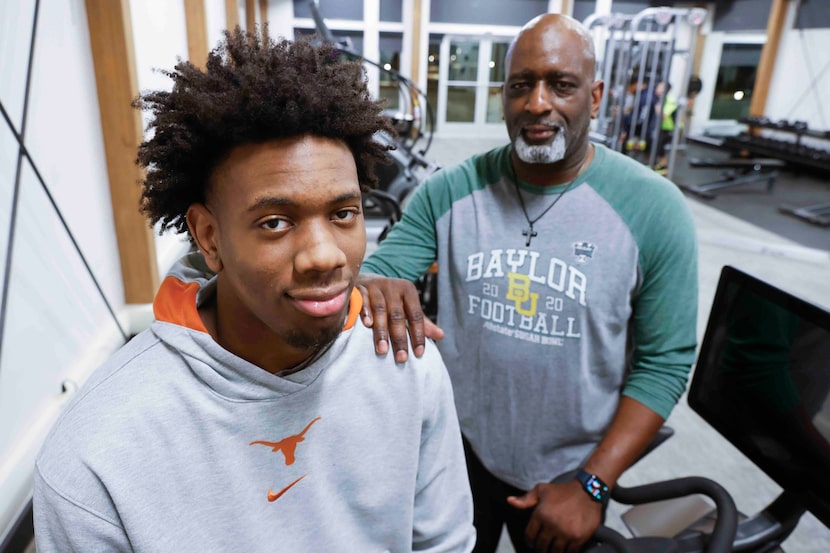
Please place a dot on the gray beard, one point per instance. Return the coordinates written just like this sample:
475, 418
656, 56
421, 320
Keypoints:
544, 153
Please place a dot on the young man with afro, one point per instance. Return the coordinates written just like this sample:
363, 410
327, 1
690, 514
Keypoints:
252, 415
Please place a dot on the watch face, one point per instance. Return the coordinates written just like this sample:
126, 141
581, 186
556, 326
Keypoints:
596, 488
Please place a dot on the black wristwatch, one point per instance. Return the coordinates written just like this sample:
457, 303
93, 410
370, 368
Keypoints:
594, 486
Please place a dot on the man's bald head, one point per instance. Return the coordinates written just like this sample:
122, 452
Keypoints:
555, 28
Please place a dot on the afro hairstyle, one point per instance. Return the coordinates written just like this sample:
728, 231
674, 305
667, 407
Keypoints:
251, 91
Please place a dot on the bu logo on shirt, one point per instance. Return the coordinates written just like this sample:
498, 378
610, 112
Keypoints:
519, 292
288, 447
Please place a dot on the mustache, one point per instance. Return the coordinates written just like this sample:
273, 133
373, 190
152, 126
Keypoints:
542, 123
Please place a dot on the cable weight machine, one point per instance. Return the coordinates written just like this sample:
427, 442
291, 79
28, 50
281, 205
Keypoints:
637, 52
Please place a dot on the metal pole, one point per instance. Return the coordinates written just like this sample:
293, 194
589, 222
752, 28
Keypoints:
695, 17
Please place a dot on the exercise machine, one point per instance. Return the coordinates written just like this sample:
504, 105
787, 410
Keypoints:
759, 152
643, 49
762, 381
795, 143
414, 125
739, 171
414, 122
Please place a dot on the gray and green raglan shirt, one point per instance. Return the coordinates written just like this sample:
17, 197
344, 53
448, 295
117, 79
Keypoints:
540, 339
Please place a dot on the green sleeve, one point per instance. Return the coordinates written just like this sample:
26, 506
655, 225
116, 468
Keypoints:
664, 319
411, 245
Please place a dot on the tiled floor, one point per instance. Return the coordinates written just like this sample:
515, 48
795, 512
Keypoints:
724, 238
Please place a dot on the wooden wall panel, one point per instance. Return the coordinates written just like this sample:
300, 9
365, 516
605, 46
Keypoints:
231, 14
415, 66
111, 40
775, 26
263, 18
196, 21
250, 15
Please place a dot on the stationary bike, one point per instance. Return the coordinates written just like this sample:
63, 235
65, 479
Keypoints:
762, 381
719, 540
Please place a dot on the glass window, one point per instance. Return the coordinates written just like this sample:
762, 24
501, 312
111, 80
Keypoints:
391, 10
497, 53
741, 15
494, 112
583, 8
390, 63
487, 12
812, 14
332, 9
736, 80
632, 7
497, 77
461, 104
463, 61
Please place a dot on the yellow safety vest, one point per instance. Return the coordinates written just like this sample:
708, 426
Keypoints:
669, 107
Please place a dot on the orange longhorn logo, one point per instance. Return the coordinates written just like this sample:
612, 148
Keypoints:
288, 445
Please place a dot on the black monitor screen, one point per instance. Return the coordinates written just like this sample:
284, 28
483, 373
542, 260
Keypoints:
762, 380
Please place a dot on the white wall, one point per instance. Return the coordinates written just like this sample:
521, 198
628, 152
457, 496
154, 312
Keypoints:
800, 79
160, 39
800, 84
54, 316
794, 94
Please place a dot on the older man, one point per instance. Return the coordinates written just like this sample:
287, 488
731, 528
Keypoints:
567, 292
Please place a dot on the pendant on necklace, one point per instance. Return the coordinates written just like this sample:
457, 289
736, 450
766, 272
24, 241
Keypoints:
529, 233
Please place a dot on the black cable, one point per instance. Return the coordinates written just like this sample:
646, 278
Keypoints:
4, 299
23, 153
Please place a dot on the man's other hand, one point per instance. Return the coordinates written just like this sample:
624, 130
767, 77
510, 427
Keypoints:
563, 518
391, 308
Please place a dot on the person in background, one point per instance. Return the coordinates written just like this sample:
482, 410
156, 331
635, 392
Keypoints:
567, 299
668, 122
252, 415
637, 128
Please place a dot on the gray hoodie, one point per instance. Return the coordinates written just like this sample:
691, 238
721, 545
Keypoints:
176, 444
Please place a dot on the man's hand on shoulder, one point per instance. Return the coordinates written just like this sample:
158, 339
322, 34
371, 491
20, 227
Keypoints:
392, 308
564, 516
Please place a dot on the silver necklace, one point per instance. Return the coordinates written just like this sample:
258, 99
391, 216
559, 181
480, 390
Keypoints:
529, 233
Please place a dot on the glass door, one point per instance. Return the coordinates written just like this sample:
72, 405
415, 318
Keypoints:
471, 73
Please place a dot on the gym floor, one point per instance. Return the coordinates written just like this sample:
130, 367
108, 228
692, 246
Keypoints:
741, 227
755, 204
